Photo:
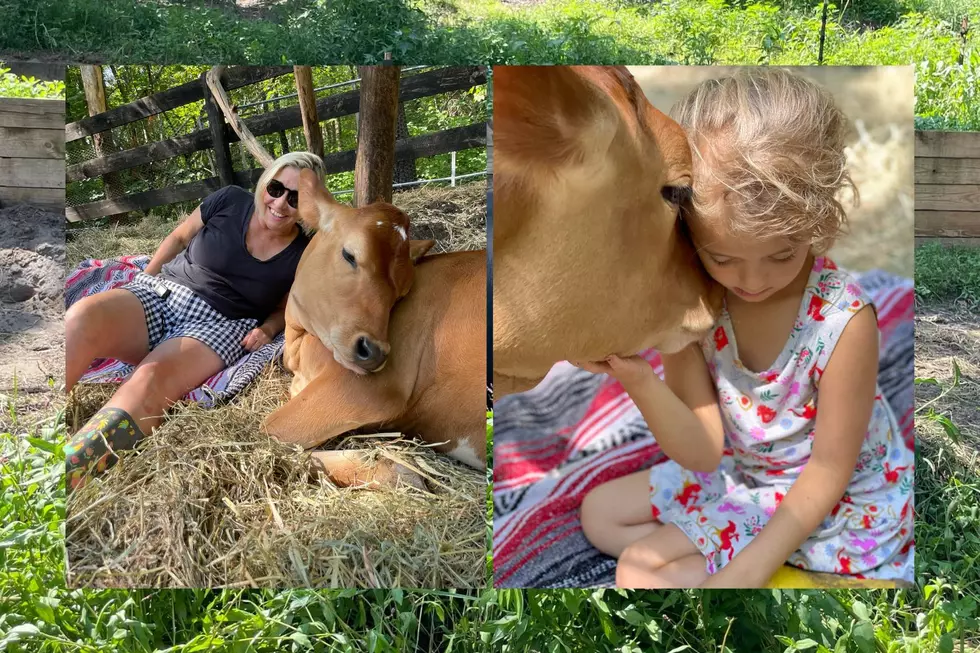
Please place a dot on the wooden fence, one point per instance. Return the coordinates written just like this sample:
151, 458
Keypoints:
32, 153
218, 135
947, 187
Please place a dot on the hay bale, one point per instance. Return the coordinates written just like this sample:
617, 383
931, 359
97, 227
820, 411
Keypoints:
209, 501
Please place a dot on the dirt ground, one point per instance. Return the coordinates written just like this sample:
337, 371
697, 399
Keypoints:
32, 334
944, 334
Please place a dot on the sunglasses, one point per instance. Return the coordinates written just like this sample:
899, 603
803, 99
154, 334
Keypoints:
275, 188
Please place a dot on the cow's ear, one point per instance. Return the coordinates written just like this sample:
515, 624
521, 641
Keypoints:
317, 207
418, 248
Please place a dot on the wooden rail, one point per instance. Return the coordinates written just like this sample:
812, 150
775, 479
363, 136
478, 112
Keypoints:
32, 153
947, 187
449, 140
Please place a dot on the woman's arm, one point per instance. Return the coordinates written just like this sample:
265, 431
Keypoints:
845, 401
682, 412
269, 329
276, 322
176, 242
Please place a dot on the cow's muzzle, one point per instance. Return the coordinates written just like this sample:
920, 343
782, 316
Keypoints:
370, 355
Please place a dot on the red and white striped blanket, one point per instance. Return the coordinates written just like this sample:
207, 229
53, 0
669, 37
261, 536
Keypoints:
576, 430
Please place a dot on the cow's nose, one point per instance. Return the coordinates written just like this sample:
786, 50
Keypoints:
369, 354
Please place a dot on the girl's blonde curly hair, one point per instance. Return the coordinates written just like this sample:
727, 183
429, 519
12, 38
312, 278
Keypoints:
771, 144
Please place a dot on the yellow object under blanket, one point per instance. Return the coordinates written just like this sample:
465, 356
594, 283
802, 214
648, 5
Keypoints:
788, 577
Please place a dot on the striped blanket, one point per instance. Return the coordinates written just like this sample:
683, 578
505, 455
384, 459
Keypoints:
576, 430
94, 276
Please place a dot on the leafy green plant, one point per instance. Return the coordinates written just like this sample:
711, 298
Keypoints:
19, 86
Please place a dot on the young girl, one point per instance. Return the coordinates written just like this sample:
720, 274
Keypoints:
781, 445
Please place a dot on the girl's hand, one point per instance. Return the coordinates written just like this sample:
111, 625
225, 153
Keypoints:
628, 371
256, 338
731, 577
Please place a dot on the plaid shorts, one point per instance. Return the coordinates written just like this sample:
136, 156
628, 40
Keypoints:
184, 314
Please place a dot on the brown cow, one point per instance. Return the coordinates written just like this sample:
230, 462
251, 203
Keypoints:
368, 354
590, 258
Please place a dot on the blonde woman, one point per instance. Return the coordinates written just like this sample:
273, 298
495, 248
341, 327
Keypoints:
782, 447
215, 289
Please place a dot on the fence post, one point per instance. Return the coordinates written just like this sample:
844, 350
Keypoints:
452, 168
823, 32
94, 85
219, 136
303, 76
375, 163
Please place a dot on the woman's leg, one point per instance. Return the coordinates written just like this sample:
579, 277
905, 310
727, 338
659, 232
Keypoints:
618, 513
167, 373
162, 378
664, 559
109, 324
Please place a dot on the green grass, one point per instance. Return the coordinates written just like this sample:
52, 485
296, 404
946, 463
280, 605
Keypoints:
37, 614
946, 274
947, 471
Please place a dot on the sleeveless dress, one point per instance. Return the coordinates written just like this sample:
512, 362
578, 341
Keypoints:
769, 419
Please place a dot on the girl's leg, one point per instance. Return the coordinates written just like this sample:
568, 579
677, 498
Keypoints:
618, 513
664, 559
110, 324
165, 375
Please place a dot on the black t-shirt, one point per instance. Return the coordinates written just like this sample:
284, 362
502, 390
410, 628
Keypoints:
217, 266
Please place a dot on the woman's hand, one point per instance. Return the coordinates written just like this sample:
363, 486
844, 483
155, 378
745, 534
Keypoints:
256, 338
628, 371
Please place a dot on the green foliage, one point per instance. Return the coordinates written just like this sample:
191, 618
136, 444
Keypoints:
906, 32
19, 86
947, 273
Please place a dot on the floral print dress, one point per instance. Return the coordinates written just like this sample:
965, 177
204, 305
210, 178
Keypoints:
769, 419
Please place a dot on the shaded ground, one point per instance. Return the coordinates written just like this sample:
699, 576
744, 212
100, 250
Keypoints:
32, 338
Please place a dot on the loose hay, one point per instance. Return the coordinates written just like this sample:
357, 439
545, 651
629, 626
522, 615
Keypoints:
209, 501
456, 218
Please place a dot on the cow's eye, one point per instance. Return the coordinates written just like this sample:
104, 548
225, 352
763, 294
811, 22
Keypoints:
677, 195
350, 258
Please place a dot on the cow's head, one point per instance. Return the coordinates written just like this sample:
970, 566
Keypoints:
591, 257
357, 265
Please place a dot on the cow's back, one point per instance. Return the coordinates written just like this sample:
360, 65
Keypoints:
438, 336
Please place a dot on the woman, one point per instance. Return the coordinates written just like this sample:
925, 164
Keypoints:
215, 288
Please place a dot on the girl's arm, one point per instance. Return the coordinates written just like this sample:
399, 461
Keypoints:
682, 412
176, 242
845, 401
